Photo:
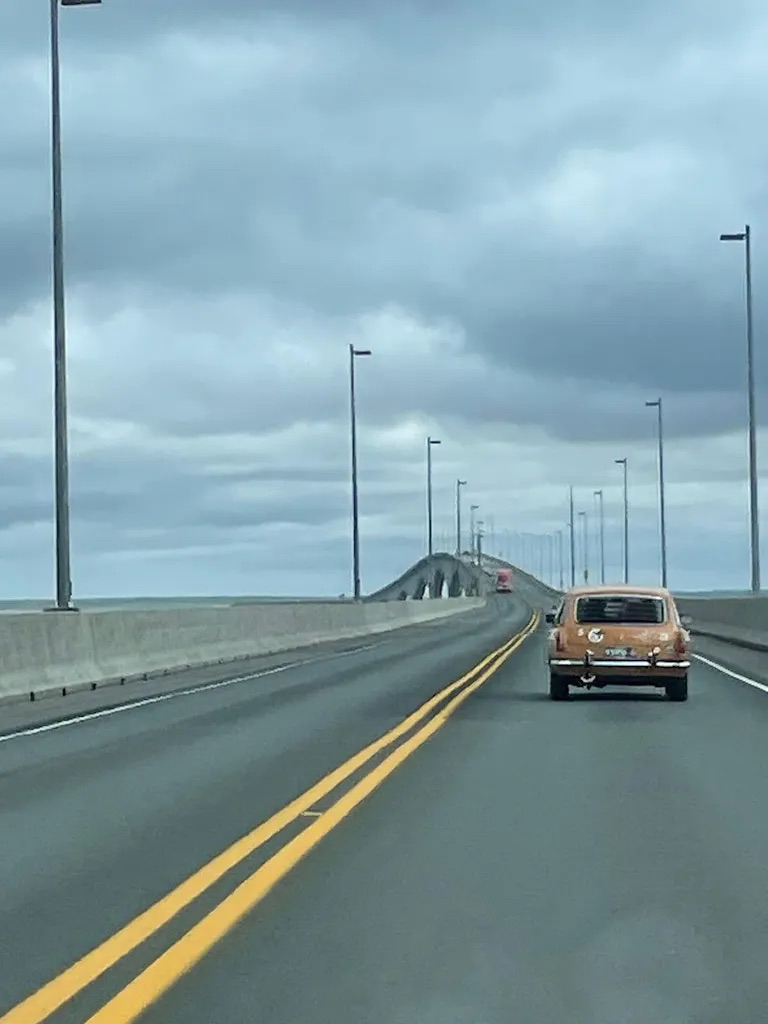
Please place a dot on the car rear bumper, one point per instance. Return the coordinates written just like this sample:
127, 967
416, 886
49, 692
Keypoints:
618, 671
619, 663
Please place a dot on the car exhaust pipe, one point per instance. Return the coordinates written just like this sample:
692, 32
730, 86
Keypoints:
587, 677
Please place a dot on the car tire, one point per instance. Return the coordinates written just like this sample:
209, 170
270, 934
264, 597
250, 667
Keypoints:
558, 687
677, 689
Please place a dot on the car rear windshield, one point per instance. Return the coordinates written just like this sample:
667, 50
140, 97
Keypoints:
624, 608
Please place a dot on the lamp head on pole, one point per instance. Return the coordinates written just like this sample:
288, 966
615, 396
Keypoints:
361, 351
79, 3
735, 236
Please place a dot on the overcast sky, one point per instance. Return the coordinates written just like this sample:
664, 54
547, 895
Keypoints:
517, 211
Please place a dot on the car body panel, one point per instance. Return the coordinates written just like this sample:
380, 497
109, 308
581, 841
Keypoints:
604, 653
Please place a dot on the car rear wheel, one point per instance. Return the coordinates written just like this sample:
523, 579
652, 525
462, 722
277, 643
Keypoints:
558, 687
677, 689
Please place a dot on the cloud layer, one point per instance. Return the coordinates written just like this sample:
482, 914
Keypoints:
517, 212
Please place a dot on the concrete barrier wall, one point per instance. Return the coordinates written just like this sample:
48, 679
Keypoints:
741, 620
51, 651
744, 611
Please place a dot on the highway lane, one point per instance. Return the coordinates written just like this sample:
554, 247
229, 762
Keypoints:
597, 861
102, 818
600, 862
742, 660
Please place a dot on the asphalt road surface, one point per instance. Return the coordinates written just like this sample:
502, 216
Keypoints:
500, 859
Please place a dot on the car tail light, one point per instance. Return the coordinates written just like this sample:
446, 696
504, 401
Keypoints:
680, 645
559, 645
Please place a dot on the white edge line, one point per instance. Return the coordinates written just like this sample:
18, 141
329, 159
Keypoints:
732, 674
88, 716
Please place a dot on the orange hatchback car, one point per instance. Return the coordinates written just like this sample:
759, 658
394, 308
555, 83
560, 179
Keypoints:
618, 636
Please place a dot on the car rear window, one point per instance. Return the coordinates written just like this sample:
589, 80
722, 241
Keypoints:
628, 609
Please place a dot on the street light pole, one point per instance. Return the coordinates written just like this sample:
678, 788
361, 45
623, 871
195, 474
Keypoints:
353, 353
61, 439
430, 442
601, 514
560, 557
572, 527
623, 462
585, 536
472, 510
754, 521
662, 513
61, 442
459, 485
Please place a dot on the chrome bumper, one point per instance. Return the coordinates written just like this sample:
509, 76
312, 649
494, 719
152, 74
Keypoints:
589, 663
617, 663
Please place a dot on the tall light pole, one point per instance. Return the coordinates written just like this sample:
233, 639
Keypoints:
572, 527
430, 442
61, 440
459, 485
623, 462
601, 520
353, 354
544, 556
472, 510
662, 514
585, 541
754, 521
479, 536
560, 557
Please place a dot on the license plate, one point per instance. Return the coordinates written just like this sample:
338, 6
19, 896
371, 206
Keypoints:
618, 652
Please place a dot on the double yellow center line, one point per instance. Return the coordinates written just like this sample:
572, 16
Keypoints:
156, 979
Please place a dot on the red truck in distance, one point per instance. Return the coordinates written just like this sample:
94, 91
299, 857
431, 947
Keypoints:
504, 582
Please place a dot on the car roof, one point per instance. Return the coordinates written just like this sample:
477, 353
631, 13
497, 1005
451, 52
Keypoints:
618, 588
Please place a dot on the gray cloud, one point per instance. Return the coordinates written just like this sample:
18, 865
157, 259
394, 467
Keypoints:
517, 210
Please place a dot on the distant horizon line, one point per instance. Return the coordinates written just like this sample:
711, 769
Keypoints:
47, 602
